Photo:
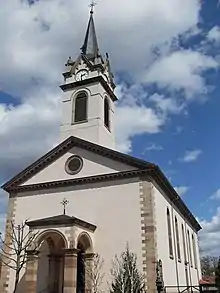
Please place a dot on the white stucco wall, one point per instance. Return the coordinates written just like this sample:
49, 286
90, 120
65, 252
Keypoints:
174, 270
92, 165
113, 207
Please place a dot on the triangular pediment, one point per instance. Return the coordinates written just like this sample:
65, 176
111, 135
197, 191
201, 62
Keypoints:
99, 164
97, 161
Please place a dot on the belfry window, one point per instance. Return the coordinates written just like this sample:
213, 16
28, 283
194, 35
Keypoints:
106, 113
169, 234
80, 111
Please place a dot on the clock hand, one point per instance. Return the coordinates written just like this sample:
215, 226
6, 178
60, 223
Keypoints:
82, 76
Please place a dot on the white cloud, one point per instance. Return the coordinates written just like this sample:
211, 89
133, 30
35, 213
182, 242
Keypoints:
167, 105
144, 120
181, 70
26, 131
191, 156
153, 147
214, 34
210, 235
37, 42
181, 190
46, 33
216, 195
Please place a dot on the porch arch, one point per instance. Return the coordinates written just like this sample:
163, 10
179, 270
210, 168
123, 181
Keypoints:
50, 271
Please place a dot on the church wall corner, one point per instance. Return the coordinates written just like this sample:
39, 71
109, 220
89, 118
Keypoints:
148, 228
5, 270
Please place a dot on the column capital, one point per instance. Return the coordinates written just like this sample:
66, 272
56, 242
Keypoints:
71, 251
32, 252
89, 255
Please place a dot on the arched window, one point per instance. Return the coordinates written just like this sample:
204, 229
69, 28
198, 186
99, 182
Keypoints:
190, 250
194, 251
169, 233
177, 239
106, 113
184, 245
80, 113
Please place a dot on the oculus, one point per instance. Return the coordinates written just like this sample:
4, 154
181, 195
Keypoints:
74, 165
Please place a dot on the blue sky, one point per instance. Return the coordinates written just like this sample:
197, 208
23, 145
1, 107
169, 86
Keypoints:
166, 61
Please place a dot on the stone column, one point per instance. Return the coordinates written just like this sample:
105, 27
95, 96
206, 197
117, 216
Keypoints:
54, 267
70, 271
88, 258
31, 272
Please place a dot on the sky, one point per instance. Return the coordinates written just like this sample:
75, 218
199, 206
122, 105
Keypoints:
166, 61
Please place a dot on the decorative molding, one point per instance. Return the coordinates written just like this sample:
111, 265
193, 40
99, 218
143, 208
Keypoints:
148, 227
100, 79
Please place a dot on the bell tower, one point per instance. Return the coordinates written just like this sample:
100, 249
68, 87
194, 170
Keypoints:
88, 94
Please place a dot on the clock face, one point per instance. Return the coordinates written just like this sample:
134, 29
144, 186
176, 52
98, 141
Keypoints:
81, 75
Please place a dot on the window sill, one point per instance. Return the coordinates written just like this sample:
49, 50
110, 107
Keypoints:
108, 128
79, 122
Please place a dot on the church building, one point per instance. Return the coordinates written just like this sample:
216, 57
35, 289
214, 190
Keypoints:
110, 199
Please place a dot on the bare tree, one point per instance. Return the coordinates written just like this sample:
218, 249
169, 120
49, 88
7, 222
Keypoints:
13, 249
209, 264
94, 274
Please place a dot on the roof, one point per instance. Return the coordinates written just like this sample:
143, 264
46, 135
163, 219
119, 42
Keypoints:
207, 280
142, 169
90, 46
61, 220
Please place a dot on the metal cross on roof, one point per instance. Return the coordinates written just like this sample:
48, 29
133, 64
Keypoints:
64, 202
92, 5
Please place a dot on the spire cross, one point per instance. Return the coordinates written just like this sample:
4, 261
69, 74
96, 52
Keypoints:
64, 202
92, 5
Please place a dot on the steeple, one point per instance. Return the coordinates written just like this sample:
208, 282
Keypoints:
90, 47
88, 99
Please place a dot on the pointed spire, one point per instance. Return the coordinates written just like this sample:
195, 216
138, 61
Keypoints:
90, 47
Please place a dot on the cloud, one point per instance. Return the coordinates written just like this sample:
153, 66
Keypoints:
214, 34
152, 147
144, 120
181, 70
167, 105
216, 195
27, 131
210, 235
46, 33
191, 156
181, 190
39, 38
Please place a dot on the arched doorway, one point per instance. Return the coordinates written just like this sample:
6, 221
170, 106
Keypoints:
50, 262
84, 246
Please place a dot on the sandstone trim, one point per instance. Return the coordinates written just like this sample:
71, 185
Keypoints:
148, 233
5, 271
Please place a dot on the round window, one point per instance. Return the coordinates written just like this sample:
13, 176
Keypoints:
74, 165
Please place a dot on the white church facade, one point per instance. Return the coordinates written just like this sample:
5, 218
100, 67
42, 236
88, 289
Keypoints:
114, 198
